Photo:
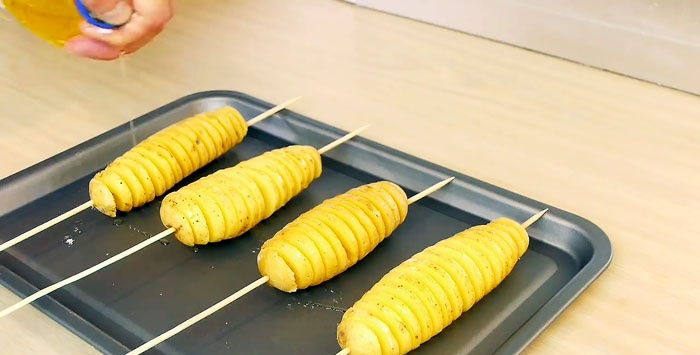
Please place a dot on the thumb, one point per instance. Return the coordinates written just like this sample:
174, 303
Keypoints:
115, 12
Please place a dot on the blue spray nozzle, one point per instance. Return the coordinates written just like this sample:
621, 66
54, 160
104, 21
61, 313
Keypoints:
85, 13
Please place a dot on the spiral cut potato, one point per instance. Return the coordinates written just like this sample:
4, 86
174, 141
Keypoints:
423, 295
162, 160
333, 236
231, 201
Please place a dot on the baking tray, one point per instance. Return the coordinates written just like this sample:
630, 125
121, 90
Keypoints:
146, 294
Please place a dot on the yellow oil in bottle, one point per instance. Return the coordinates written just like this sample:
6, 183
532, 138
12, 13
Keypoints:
55, 21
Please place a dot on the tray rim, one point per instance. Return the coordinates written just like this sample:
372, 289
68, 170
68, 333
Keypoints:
62, 315
600, 261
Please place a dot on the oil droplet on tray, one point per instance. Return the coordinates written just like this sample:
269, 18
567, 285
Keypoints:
68, 240
196, 250
117, 222
164, 241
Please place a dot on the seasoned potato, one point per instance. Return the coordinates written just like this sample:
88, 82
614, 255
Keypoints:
162, 160
423, 295
231, 201
333, 236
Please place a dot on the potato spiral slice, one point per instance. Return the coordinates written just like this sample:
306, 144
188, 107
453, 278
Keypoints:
162, 160
333, 236
423, 295
231, 201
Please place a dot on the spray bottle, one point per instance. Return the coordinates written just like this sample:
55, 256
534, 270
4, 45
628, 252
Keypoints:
54, 21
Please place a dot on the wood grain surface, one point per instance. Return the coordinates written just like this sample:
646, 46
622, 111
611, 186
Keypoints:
622, 153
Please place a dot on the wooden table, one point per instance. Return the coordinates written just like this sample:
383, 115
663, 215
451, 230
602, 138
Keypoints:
620, 152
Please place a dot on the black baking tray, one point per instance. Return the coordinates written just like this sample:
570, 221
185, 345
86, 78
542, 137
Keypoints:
146, 294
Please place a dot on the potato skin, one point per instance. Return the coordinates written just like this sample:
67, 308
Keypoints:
360, 339
230, 202
158, 163
333, 236
438, 284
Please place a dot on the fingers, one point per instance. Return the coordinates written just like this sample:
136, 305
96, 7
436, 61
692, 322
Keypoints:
147, 18
115, 12
91, 48
138, 28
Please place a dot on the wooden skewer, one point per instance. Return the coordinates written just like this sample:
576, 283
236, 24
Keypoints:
429, 190
87, 272
45, 225
128, 252
86, 205
261, 281
259, 118
525, 224
534, 218
242, 292
342, 140
209, 311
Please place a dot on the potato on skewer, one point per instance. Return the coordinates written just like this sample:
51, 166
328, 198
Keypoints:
231, 201
162, 160
393, 205
152, 240
155, 166
333, 236
423, 295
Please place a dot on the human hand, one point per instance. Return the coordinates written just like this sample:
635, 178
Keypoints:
141, 20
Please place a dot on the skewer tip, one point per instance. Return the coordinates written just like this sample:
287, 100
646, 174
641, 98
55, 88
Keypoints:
269, 113
342, 139
429, 190
286, 103
363, 128
45, 291
34, 231
534, 218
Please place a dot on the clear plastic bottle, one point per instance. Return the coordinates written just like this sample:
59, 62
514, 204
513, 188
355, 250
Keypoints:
55, 21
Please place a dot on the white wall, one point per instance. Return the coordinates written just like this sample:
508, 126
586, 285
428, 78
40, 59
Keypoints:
658, 41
